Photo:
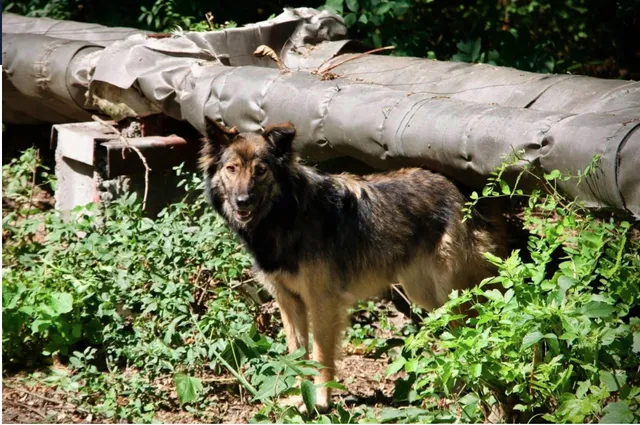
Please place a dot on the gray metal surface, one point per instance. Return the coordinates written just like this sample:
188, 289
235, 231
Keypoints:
41, 79
389, 112
488, 84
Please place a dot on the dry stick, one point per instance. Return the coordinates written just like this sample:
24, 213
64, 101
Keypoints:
129, 146
50, 400
395, 288
195, 283
220, 380
322, 71
264, 50
26, 406
33, 183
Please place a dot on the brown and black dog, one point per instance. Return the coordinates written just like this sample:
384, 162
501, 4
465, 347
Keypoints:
321, 242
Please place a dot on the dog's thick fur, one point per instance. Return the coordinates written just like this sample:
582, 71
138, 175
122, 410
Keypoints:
321, 242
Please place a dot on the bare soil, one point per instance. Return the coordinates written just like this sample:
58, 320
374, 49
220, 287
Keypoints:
27, 401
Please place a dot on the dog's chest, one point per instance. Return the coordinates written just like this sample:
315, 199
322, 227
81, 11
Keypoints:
296, 283
275, 250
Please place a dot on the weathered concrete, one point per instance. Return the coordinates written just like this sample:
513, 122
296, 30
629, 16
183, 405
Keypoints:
93, 165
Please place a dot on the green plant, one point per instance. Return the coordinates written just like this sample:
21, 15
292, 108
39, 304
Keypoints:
56, 9
555, 333
162, 16
21, 179
529, 35
129, 301
147, 316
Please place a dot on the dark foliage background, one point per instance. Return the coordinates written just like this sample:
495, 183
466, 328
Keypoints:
593, 37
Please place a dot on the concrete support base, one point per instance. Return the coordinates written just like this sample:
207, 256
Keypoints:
94, 165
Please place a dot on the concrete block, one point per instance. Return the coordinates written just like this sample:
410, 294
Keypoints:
94, 165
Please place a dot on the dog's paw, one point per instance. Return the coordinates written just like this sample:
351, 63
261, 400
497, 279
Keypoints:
321, 405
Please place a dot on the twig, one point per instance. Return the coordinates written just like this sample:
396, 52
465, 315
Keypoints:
234, 286
129, 146
395, 288
368, 52
26, 406
221, 380
195, 283
264, 50
33, 183
50, 400
209, 17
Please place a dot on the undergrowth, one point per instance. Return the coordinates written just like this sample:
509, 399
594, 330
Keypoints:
147, 315
128, 302
556, 335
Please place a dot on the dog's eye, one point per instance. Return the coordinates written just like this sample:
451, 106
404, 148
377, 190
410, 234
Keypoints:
231, 168
260, 170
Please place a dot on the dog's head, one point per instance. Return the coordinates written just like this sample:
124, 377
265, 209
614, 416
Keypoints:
241, 169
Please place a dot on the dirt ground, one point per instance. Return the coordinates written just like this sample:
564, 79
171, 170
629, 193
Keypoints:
25, 400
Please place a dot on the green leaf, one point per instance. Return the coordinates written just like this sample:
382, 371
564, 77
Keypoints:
335, 385
392, 414
597, 309
617, 413
608, 336
384, 8
636, 342
352, 5
61, 302
565, 282
187, 387
476, 370
323, 419
39, 325
470, 403
395, 366
531, 338
574, 410
335, 6
471, 398
611, 381
475, 52
493, 295
552, 340
349, 19
308, 395
504, 187
553, 175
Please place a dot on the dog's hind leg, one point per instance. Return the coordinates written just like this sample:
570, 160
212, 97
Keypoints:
426, 282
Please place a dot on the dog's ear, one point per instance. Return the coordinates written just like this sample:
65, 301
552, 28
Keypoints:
218, 134
217, 139
280, 138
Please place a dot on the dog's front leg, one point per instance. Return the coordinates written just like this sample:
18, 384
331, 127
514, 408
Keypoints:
327, 320
294, 318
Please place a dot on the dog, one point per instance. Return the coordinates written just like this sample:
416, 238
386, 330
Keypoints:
320, 242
